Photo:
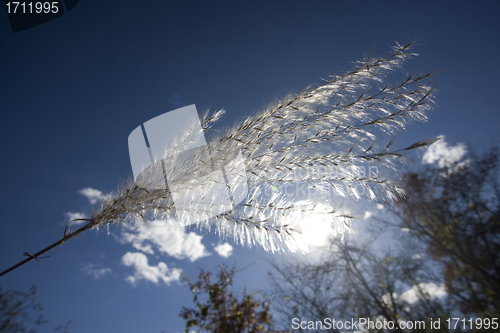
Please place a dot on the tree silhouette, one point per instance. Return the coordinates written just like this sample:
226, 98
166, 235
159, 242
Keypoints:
446, 263
455, 211
21, 313
351, 281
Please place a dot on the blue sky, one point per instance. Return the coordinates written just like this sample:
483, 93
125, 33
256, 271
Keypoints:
72, 90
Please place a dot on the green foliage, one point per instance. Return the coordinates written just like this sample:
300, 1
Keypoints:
218, 310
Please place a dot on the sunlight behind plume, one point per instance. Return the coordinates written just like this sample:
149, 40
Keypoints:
318, 225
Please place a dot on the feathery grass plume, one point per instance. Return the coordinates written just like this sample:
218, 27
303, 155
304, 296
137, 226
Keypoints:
324, 136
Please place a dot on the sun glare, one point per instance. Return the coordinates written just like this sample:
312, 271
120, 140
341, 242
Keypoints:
317, 226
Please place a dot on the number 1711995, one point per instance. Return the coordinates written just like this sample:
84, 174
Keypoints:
478, 323
16, 7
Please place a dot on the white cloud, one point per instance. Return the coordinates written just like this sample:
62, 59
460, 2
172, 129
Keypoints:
443, 154
96, 273
92, 194
143, 271
387, 299
414, 294
224, 250
418, 256
72, 216
168, 238
411, 296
